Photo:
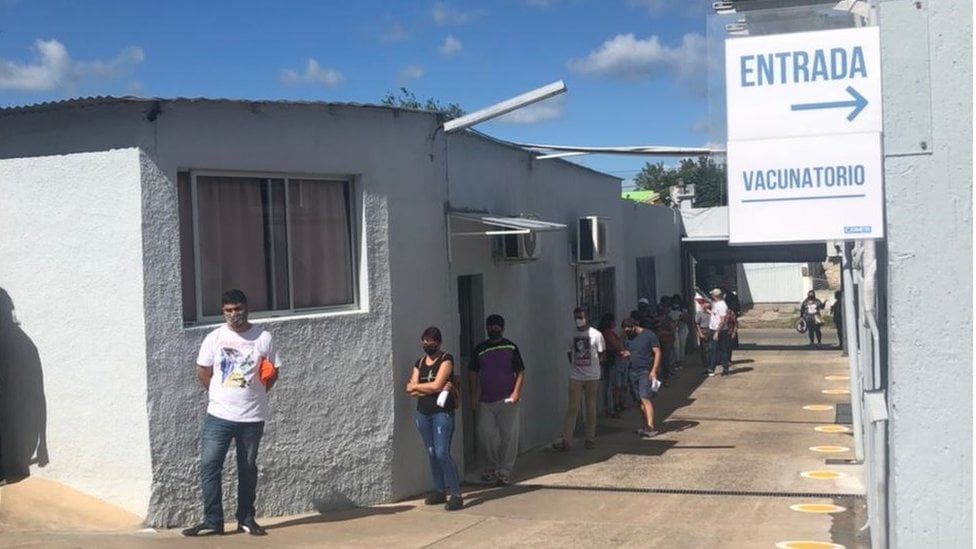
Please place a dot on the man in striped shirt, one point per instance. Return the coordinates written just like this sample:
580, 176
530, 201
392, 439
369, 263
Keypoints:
496, 375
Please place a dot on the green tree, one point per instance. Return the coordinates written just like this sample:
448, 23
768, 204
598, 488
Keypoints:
406, 99
707, 176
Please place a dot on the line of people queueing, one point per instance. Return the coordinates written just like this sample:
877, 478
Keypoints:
603, 365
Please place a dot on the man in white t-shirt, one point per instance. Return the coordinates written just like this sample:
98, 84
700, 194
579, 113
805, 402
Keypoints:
586, 348
718, 352
238, 366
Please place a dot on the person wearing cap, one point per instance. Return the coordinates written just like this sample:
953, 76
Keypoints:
719, 329
496, 373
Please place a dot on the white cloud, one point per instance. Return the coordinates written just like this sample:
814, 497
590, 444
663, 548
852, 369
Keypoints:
550, 109
397, 33
52, 68
451, 47
314, 75
445, 15
629, 58
411, 72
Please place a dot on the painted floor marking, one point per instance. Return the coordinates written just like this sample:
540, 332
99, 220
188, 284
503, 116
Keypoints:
838, 378
805, 544
818, 508
822, 475
836, 391
818, 408
830, 449
832, 429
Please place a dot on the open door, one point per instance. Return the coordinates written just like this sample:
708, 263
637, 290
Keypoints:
471, 314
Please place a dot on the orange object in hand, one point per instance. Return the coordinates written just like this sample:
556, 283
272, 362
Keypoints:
267, 372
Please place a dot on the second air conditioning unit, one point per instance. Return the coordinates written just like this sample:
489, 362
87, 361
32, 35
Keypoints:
516, 247
591, 240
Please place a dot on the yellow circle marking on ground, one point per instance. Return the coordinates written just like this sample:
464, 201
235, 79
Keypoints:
832, 429
821, 475
838, 378
836, 391
808, 545
818, 508
830, 449
818, 408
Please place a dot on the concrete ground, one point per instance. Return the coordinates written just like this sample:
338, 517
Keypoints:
724, 473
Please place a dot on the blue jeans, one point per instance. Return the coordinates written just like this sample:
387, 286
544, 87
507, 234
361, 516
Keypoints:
215, 440
718, 352
437, 430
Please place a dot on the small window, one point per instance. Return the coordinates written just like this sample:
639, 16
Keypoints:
287, 242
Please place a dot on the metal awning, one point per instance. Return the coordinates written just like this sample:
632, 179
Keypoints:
496, 225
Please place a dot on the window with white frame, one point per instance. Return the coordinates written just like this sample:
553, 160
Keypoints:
285, 241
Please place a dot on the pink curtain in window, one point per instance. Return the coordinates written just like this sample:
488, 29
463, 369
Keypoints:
320, 243
231, 232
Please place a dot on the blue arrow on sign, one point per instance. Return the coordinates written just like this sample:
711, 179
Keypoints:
858, 103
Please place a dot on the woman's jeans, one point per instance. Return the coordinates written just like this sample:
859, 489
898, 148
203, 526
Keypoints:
215, 441
436, 430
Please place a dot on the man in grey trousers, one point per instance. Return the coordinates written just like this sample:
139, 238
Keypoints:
496, 373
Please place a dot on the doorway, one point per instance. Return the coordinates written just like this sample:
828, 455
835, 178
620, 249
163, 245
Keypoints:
471, 313
646, 279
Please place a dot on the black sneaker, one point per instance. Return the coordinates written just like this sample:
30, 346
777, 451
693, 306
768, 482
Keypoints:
503, 480
454, 504
436, 498
204, 529
251, 527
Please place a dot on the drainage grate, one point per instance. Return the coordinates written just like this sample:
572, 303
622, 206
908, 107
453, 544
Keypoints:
697, 492
843, 415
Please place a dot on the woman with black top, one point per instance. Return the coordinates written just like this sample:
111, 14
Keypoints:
435, 421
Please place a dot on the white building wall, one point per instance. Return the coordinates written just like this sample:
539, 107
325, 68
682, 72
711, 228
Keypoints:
771, 283
928, 202
537, 298
71, 262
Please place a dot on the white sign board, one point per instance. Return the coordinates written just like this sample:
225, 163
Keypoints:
805, 83
806, 189
804, 137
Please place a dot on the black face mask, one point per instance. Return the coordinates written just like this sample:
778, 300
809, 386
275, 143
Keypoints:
631, 335
494, 334
430, 350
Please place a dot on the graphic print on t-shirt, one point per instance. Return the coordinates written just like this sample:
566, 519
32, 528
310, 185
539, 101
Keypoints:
237, 366
581, 350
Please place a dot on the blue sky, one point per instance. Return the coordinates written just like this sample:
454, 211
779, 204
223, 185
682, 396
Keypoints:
635, 69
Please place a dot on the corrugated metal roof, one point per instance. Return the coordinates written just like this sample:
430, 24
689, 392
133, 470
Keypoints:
82, 102
101, 100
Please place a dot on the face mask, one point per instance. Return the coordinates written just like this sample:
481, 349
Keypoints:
235, 319
580, 322
631, 335
431, 350
494, 334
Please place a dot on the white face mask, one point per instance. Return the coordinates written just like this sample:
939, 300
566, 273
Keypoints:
580, 322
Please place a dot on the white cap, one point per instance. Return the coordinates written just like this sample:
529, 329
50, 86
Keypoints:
644, 300
716, 292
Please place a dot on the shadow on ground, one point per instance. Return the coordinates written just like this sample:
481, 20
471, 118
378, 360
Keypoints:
338, 516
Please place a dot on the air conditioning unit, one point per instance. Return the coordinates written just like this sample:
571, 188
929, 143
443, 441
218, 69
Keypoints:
723, 7
591, 240
516, 247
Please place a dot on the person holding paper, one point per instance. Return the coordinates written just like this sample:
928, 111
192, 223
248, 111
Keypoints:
496, 372
643, 350
431, 376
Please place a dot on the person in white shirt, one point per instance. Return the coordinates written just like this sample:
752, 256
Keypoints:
586, 350
237, 366
718, 327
